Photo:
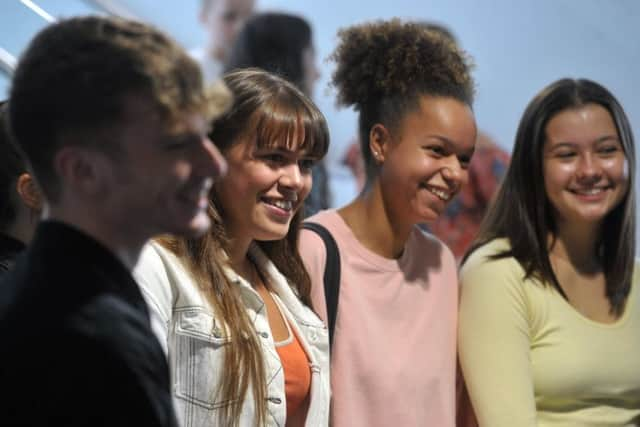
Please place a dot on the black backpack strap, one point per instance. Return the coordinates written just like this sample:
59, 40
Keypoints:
331, 274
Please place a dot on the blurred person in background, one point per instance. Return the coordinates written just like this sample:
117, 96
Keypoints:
222, 20
20, 199
282, 43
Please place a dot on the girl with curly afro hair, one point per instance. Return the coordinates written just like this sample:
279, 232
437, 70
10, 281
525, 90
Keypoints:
394, 340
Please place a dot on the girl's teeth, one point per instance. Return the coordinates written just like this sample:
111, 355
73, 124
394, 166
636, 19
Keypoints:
441, 194
283, 204
591, 191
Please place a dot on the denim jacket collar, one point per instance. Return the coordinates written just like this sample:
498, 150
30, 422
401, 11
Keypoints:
278, 282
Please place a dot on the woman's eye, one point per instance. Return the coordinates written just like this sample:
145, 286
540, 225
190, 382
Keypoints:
306, 164
608, 149
436, 149
464, 161
274, 158
565, 154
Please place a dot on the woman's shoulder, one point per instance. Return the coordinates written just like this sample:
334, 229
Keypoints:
155, 258
161, 273
635, 276
329, 219
426, 239
150, 262
311, 244
490, 252
491, 262
427, 244
488, 279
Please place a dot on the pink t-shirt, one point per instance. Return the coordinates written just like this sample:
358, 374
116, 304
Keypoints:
394, 350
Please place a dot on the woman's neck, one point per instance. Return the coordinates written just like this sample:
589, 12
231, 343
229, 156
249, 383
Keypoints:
578, 246
373, 224
238, 258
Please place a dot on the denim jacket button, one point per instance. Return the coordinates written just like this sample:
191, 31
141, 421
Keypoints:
264, 335
275, 400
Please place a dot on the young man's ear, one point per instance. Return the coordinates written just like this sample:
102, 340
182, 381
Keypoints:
29, 192
379, 140
81, 170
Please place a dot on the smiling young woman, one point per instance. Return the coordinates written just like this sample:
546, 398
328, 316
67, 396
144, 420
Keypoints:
585, 169
394, 352
282, 43
233, 307
550, 310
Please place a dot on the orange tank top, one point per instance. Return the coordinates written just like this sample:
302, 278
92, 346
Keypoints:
297, 378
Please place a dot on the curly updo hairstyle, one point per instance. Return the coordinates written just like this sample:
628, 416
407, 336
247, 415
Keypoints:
384, 68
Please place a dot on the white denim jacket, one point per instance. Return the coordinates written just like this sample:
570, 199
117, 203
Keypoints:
195, 339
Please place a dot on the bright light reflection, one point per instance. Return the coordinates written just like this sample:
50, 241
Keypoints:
38, 10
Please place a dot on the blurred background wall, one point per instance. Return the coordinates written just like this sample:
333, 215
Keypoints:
518, 47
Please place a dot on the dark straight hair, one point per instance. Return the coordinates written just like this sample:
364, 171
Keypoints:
274, 42
521, 211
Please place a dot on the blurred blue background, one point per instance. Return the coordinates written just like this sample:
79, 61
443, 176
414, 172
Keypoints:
518, 47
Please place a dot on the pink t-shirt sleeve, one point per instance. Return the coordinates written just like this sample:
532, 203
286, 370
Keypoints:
314, 256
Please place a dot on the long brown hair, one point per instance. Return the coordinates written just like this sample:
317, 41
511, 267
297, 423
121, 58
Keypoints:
275, 112
522, 212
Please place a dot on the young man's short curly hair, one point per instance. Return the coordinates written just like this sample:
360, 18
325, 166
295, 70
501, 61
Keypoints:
385, 67
75, 75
